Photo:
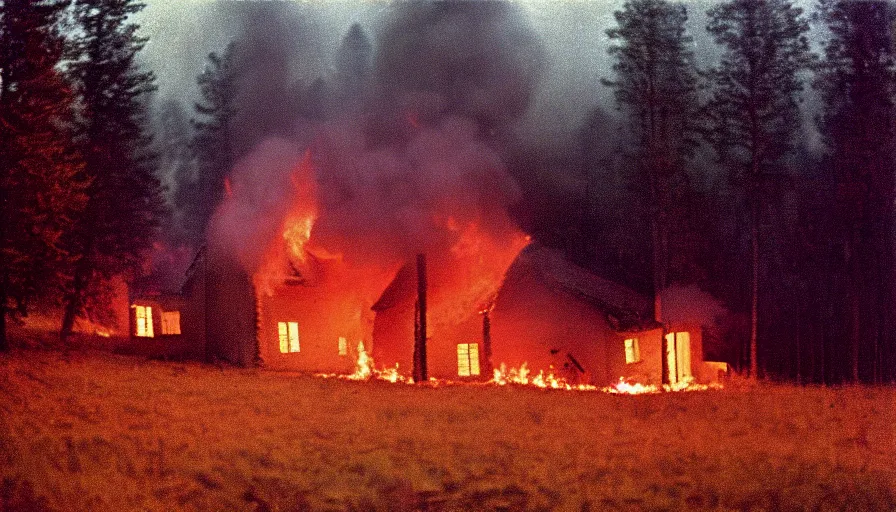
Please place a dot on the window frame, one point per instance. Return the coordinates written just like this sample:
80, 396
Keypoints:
143, 327
288, 340
170, 328
468, 360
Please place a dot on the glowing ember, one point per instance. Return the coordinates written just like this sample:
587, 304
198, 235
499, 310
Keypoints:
688, 384
630, 388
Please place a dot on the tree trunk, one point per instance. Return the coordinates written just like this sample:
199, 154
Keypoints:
855, 305
754, 288
798, 335
4, 343
74, 299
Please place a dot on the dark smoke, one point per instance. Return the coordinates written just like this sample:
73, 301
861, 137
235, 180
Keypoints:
421, 144
277, 52
478, 60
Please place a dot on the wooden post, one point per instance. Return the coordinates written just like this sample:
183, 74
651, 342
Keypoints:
420, 372
486, 364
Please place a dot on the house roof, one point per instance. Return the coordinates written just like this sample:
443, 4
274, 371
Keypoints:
402, 287
626, 309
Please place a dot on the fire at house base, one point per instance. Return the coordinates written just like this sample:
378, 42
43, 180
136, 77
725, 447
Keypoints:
546, 323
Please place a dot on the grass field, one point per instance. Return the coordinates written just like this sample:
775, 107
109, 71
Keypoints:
88, 431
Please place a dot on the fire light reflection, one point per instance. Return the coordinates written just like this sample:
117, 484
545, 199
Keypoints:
522, 376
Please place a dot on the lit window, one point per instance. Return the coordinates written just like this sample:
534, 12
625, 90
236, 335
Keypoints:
467, 359
632, 351
678, 356
144, 321
343, 347
170, 322
288, 333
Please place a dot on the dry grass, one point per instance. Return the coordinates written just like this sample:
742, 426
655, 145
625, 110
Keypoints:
100, 432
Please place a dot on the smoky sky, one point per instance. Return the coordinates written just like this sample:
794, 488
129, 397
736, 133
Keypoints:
413, 159
572, 33
572, 39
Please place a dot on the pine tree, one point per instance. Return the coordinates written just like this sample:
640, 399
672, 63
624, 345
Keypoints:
41, 184
353, 66
176, 162
656, 87
856, 81
124, 198
213, 144
753, 114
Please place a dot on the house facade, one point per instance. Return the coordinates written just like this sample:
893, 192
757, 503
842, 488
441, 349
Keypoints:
548, 314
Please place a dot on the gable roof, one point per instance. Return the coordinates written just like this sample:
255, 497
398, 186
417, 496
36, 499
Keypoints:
625, 308
402, 288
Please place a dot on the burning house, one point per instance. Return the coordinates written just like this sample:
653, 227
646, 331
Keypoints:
307, 255
544, 314
549, 316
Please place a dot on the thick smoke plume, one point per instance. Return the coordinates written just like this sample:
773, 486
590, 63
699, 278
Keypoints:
411, 164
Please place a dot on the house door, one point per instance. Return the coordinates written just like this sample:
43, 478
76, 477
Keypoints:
678, 356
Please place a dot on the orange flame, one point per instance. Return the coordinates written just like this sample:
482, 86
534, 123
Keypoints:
477, 262
545, 380
522, 376
297, 233
365, 370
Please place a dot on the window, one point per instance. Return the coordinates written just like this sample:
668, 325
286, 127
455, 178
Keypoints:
170, 322
144, 321
467, 359
632, 351
343, 346
288, 333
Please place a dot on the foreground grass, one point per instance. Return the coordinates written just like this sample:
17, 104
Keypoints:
99, 432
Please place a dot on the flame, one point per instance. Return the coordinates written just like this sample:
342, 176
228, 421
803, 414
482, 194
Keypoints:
474, 267
297, 233
364, 366
630, 388
545, 380
522, 376
365, 370
637, 388
289, 252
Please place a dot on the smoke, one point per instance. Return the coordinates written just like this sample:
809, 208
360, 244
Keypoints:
481, 61
264, 187
414, 164
277, 51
